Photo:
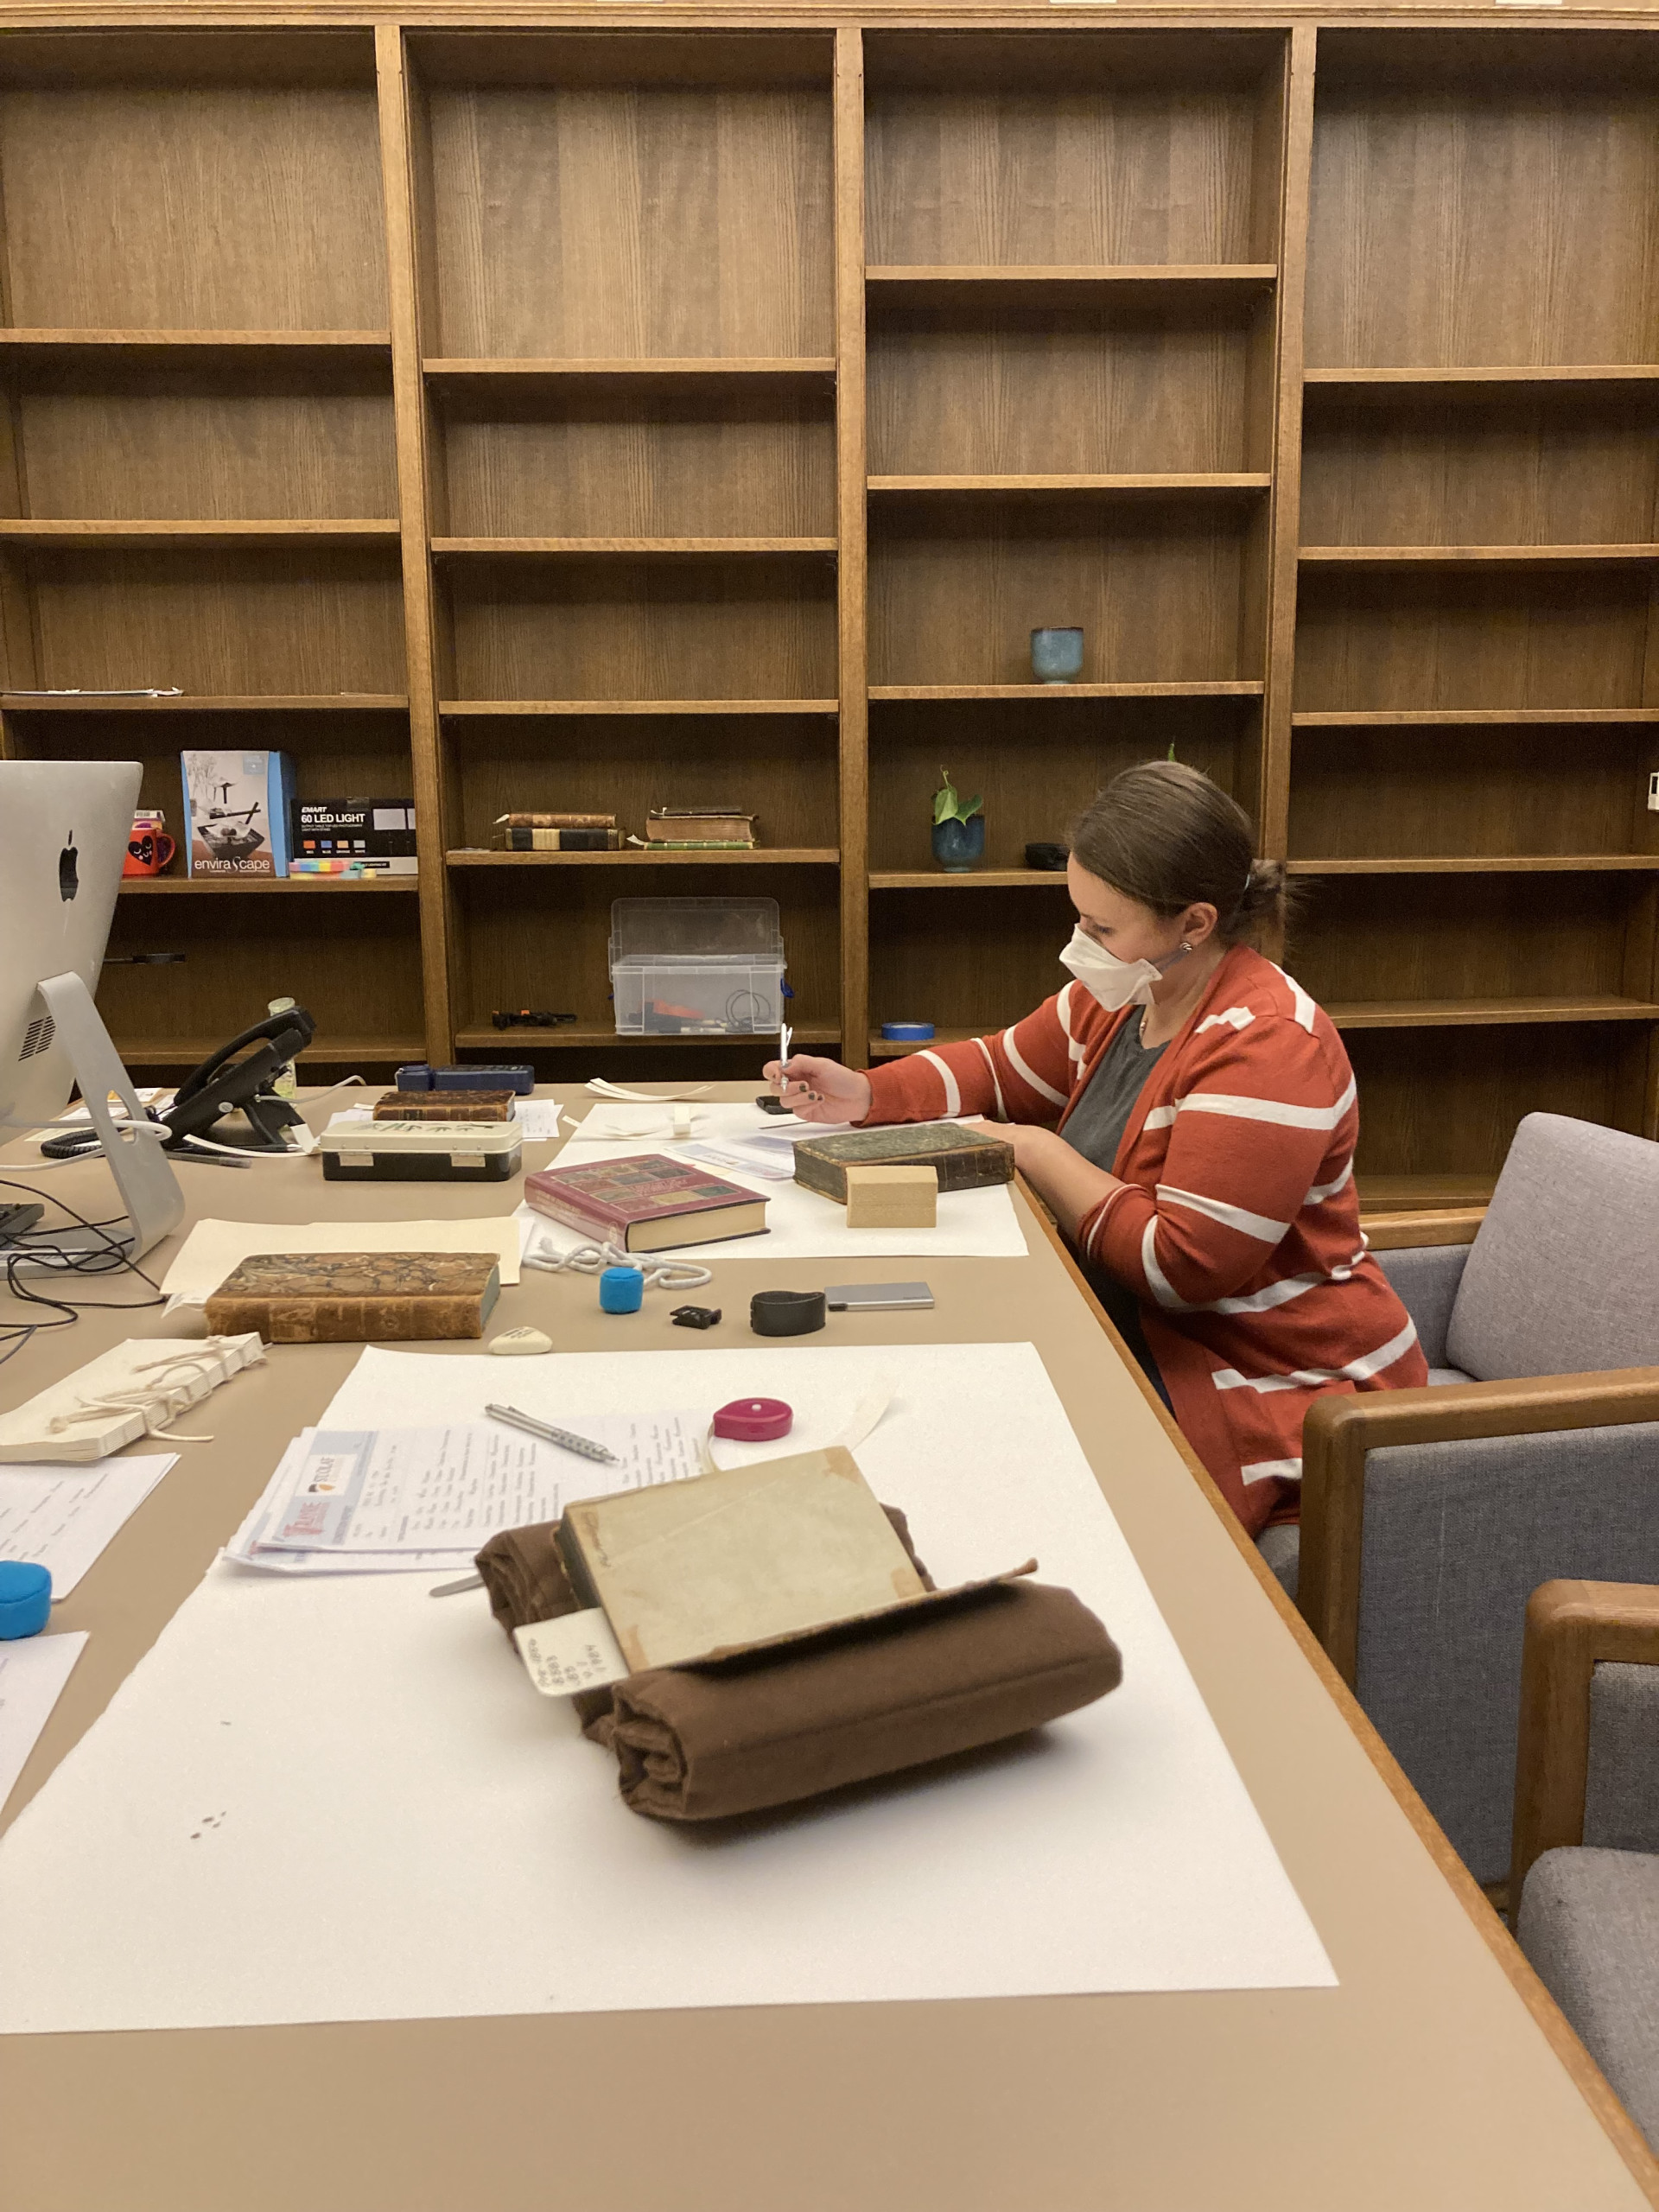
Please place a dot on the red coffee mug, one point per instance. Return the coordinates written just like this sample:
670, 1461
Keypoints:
149, 848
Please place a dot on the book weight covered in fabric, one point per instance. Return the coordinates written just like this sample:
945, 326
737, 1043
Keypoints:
648, 1204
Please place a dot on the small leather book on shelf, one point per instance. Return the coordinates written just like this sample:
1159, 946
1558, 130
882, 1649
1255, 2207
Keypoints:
357, 1298
964, 1160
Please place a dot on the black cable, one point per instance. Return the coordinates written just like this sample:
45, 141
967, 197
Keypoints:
34, 1248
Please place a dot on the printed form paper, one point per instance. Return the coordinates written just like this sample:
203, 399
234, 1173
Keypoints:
61, 1518
33, 1671
394, 1489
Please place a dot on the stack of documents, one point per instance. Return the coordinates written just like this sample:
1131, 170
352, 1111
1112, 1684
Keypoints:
402, 1500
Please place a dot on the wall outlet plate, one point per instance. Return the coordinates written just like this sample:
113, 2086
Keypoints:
1653, 791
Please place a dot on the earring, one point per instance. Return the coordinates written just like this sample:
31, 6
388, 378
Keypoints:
1185, 946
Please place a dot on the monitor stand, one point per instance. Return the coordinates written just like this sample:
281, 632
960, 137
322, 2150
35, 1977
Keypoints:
143, 1176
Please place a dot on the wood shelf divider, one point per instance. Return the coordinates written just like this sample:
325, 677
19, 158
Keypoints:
1383, 556
999, 879
275, 341
1227, 688
1486, 864
1460, 1013
1471, 717
778, 856
479, 709
584, 1037
1404, 382
177, 887
590, 548
1128, 487
18, 530
712, 367
202, 702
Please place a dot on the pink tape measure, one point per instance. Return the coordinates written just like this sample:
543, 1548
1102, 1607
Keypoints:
753, 1421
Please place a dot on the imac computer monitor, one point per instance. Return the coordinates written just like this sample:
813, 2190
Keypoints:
64, 827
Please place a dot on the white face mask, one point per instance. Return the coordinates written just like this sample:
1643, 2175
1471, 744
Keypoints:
1114, 983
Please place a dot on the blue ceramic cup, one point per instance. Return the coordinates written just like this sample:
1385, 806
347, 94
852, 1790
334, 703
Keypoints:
1056, 656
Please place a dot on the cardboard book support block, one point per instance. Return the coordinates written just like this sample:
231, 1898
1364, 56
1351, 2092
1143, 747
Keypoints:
893, 1197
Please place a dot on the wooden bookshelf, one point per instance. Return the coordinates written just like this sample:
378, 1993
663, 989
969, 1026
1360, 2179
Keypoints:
1314, 375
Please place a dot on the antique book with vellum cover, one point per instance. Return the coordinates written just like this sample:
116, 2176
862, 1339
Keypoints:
358, 1298
647, 1204
964, 1160
910, 1679
735, 1558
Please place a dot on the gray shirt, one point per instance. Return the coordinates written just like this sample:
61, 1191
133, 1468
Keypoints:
1096, 1129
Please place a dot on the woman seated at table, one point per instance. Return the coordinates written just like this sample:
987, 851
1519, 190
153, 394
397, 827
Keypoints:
1188, 1113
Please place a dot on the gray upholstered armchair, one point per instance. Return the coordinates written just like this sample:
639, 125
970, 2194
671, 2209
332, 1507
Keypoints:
1585, 1867
1429, 1516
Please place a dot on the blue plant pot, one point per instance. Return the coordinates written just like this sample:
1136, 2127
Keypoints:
958, 845
1056, 656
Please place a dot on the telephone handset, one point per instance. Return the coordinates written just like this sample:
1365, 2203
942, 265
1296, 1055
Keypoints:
236, 1079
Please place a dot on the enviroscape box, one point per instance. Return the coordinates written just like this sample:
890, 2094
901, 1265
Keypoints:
237, 812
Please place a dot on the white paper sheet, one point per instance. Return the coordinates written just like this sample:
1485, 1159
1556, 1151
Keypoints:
455, 1485
61, 1519
33, 1671
212, 1249
801, 1224
540, 1119
476, 1857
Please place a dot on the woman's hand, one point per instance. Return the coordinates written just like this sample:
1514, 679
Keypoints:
820, 1091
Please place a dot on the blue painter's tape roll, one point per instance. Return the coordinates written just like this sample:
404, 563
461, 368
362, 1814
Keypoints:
621, 1290
25, 1597
907, 1032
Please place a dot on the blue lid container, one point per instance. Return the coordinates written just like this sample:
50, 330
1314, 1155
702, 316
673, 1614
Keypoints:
25, 1598
907, 1033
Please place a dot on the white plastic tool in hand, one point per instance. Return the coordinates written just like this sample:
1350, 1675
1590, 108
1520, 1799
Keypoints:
785, 1042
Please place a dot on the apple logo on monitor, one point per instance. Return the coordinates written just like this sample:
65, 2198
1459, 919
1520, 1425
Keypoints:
68, 870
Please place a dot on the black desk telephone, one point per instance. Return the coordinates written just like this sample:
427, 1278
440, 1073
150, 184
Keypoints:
236, 1079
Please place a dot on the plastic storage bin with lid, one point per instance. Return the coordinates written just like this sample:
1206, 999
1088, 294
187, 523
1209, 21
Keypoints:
696, 967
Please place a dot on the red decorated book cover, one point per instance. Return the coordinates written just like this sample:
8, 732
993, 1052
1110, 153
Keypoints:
648, 1204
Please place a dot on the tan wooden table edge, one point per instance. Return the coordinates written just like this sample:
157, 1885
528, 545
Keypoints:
1592, 2083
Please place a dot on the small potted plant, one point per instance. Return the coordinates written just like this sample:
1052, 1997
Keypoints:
958, 829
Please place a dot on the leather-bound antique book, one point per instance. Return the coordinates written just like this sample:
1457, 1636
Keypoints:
357, 1298
647, 1204
964, 1160
444, 1106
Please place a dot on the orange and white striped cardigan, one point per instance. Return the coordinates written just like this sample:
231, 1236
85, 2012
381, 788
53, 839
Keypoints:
1238, 1224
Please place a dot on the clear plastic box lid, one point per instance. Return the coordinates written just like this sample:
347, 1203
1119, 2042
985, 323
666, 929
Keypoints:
657, 929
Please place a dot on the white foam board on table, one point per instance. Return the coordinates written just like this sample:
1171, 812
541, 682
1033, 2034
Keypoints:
340, 1799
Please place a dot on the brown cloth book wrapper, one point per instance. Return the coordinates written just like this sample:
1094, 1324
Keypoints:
704, 1742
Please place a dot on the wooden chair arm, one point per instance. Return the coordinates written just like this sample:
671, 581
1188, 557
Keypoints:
1339, 1432
1398, 1232
1570, 1627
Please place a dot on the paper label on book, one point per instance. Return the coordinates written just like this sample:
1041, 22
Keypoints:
576, 1652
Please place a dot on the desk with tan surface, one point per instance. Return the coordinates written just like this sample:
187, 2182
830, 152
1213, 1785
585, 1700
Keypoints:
1436, 2074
